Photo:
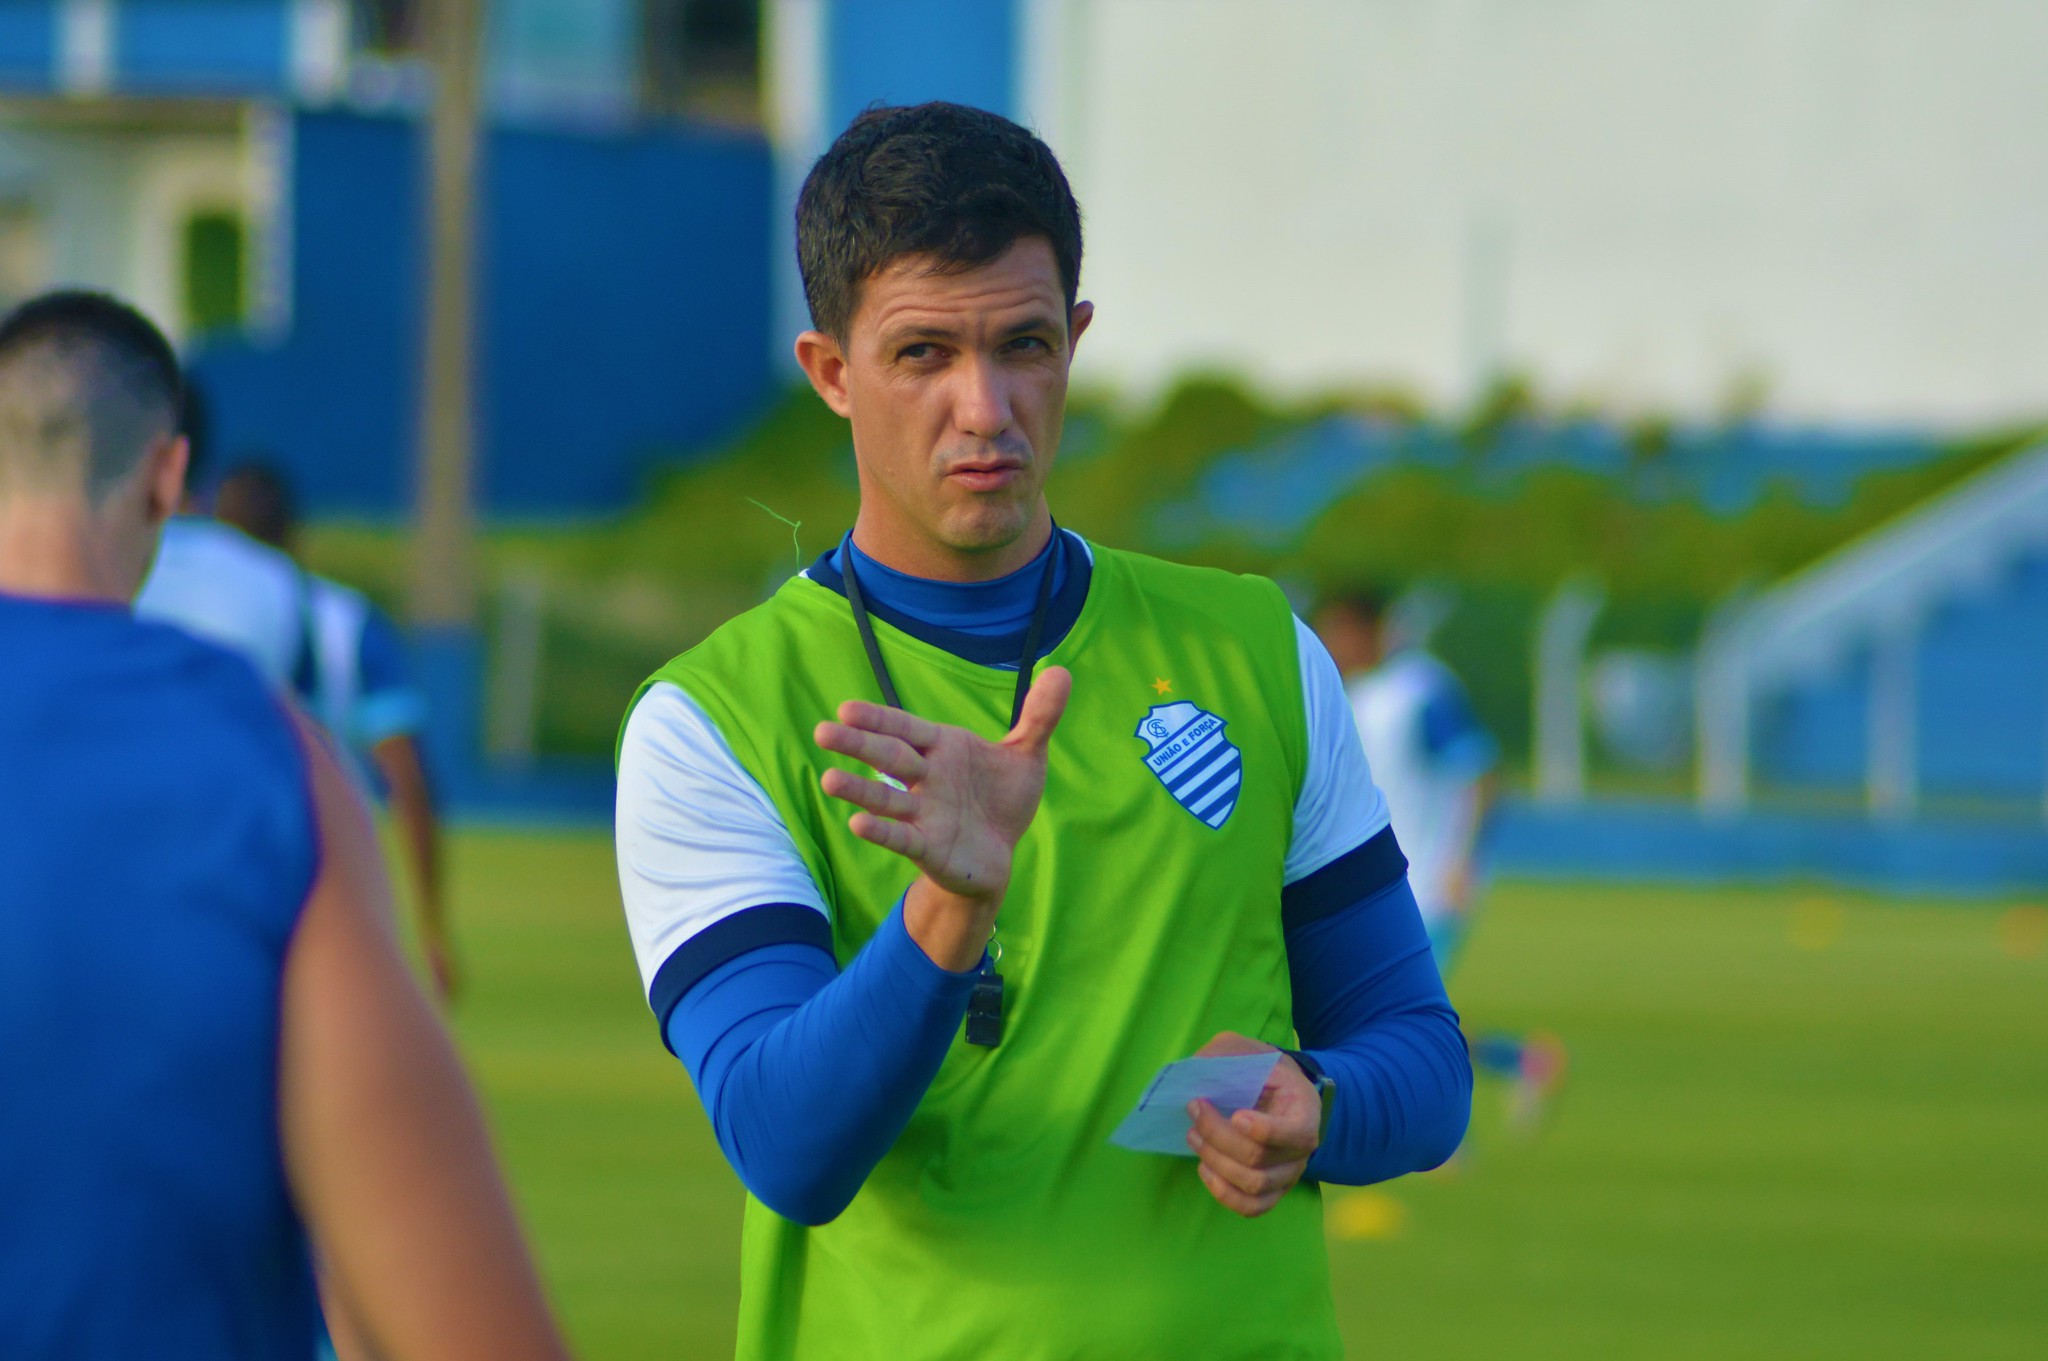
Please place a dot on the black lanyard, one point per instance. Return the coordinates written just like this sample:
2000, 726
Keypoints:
851, 576
985, 1005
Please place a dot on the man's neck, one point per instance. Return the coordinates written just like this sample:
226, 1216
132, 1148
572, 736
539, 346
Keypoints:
922, 557
48, 549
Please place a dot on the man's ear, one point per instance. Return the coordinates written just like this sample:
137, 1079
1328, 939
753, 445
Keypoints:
1077, 322
824, 363
168, 459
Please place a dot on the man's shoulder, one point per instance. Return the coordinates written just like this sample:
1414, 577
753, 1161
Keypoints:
187, 703
216, 682
1400, 688
199, 542
221, 582
1209, 591
1419, 671
746, 662
335, 595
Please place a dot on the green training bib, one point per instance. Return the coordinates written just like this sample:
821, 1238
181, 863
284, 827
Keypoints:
1143, 917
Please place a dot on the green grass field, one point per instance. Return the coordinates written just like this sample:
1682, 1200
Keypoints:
1799, 1124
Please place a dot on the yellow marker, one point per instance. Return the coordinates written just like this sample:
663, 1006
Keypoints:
1164, 687
2023, 931
1365, 1216
1817, 923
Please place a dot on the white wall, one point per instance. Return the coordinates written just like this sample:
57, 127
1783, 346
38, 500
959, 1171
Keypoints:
1637, 201
111, 204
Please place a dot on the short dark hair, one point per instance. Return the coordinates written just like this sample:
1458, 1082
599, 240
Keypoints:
1367, 602
256, 499
85, 377
960, 185
195, 423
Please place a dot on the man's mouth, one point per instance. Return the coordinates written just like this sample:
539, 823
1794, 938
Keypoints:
986, 474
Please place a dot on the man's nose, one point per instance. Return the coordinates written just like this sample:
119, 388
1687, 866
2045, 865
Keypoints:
981, 403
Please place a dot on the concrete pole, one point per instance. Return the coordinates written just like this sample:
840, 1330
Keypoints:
444, 541
447, 651
1561, 636
1721, 705
1893, 768
795, 67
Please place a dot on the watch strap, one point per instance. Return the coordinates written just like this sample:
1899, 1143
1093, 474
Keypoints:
1325, 1085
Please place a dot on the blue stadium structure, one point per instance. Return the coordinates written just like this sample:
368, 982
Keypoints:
1907, 672
251, 173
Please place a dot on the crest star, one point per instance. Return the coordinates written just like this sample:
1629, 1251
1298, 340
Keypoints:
1164, 687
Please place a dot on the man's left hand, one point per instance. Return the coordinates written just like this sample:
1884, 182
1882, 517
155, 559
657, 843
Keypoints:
1252, 1158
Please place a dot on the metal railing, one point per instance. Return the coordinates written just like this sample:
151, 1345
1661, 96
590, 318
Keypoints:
1876, 592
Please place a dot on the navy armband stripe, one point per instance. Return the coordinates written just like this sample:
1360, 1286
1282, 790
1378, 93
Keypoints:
1367, 868
727, 939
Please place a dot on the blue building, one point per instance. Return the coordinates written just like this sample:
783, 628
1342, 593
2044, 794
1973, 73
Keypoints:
251, 173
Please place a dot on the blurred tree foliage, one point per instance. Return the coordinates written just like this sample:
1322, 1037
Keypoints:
718, 534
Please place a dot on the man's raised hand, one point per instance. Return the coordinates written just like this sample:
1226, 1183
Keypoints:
964, 805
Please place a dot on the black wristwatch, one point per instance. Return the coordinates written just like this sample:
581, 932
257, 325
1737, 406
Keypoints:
1325, 1085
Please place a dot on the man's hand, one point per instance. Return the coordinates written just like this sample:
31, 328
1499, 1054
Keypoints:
1256, 1156
963, 806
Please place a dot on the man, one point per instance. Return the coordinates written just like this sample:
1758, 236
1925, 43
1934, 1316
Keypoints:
1435, 763
232, 580
1154, 833
359, 685
217, 1061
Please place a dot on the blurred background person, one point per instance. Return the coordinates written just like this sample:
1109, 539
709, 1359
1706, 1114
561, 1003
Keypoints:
219, 1062
221, 585
358, 682
1436, 764
231, 579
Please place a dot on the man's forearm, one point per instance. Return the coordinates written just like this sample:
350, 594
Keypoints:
810, 1076
412, 806
1404, 1095
1371, 1008
953, 931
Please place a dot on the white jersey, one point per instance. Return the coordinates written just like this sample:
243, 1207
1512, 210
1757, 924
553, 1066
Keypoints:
317, 640
223, 586
700, 841
1429, 755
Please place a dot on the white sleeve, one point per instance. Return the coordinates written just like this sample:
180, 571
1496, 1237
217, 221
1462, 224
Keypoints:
698, 838
1340, 807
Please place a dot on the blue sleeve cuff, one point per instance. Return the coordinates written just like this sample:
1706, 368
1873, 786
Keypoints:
1469, 757
387, 713
809, 1074
728, 939
902, 960
1368, 868
910, 966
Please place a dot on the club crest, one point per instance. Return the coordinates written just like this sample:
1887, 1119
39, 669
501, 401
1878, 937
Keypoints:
1189, 753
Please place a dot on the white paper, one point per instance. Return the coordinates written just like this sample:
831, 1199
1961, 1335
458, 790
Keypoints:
1159, 1123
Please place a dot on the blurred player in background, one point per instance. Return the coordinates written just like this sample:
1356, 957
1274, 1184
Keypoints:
1436, 764
232, 580
217, 1062
360, 687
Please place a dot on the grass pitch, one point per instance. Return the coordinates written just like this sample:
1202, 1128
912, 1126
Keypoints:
1798, 1124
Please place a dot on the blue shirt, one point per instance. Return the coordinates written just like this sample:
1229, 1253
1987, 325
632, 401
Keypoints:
157, 845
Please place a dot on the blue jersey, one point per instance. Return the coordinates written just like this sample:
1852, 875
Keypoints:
157, 845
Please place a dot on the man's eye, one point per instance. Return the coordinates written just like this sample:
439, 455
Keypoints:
921, 350
1030, 344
